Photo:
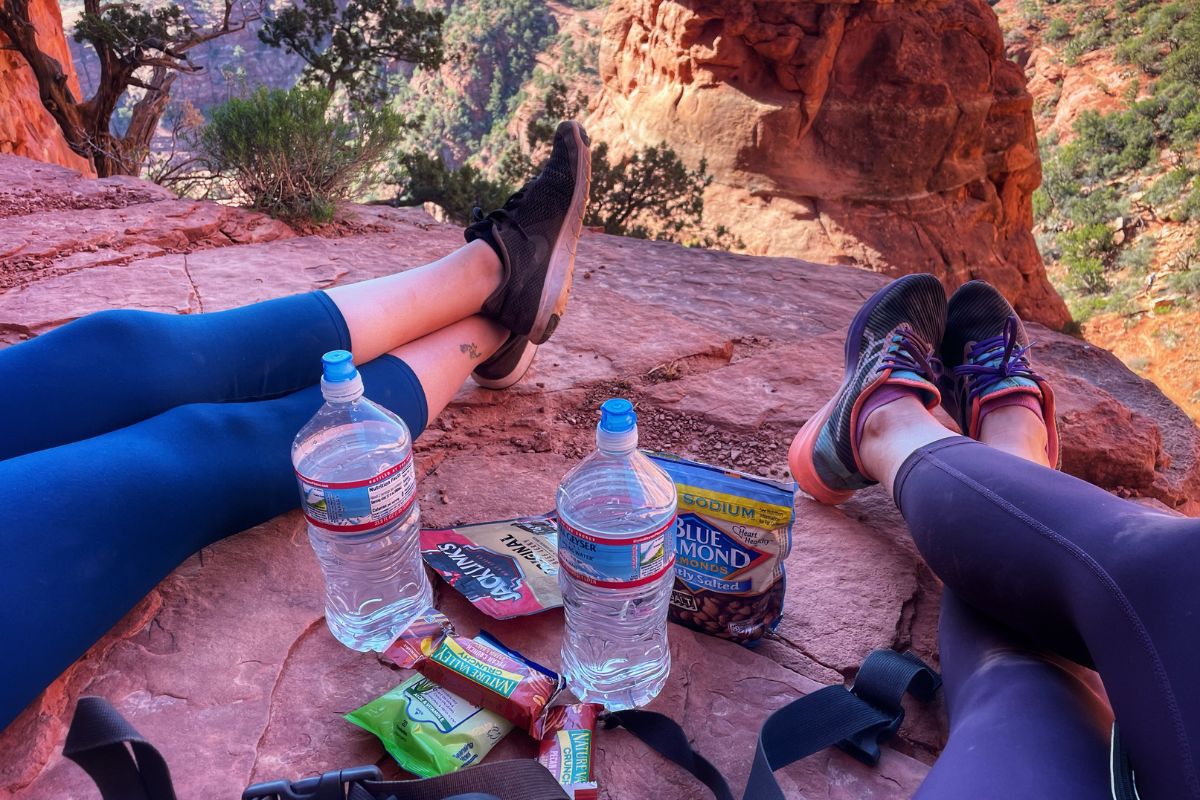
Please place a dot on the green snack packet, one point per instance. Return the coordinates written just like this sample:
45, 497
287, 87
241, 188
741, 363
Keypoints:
428, 730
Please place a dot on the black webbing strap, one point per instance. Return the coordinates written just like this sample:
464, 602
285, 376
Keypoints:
663, 735
856, 719
97, 741
520, 779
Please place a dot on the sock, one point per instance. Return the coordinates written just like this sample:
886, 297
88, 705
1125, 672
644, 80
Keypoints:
888, 393
1028, 399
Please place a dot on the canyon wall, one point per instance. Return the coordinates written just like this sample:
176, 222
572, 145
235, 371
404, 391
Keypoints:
890, 135
26, 127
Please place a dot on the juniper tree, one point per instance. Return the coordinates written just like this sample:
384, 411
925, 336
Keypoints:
146, 49
353, 47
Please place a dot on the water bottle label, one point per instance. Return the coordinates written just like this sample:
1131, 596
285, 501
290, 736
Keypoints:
620, 564
356, 506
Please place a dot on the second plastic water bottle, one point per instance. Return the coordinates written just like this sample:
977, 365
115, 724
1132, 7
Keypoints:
354, 464
616, 549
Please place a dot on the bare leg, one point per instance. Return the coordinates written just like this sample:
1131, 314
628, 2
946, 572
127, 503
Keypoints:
444, 359
896, 430
1016, 430
892, 433
387, 312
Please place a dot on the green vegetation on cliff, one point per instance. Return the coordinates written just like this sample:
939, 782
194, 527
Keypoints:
1125, 169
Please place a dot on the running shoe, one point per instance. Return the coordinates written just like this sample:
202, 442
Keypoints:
508, 365
985, 352
890, 341
536, 234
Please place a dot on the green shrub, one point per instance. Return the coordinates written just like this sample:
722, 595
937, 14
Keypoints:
1084, 252
1093, 36
1101, 204
1042, 204
1186, 283
1087, 274
1059, 29
1137, 259
649, 193
1167, 189
423, 178
1189, 209
1085, 306
285, 153
1031, 11
1108, 144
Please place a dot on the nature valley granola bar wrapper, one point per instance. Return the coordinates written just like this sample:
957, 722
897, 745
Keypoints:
568, 739
734, 535
485, 672
429, 730
506, 569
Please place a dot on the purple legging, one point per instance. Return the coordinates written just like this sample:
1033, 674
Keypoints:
1075, 571
1024, 723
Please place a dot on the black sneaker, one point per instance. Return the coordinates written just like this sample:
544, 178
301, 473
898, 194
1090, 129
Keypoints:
507, 365
536, 233
985, 353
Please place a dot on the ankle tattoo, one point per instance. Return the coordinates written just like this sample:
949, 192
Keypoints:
471, 349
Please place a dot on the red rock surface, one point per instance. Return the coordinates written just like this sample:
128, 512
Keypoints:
227, 665
890, 135
26, 127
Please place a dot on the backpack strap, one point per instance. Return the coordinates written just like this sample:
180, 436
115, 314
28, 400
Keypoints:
519, 779
857, 720
97, 741
664, 736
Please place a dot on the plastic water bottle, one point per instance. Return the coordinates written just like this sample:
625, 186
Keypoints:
616, 550
354, 465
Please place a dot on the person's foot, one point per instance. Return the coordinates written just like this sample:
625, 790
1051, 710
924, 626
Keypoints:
888, 347
535, 235
507, 365
985, 352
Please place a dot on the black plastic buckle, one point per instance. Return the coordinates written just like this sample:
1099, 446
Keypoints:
330, 786
864, 745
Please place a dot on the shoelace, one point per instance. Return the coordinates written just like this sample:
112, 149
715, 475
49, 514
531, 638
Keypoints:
993, 360
908, 350
502, 214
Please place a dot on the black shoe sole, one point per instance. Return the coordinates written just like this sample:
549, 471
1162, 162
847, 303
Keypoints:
557, 287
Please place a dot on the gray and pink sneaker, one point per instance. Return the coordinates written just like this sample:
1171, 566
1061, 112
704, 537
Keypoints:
889, 349
985, 352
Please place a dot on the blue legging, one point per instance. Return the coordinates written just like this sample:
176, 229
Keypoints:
129, 440
1071, 570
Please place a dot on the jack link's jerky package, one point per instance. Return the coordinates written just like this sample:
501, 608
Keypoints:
734, 534
506, 569
429, 730
568, 741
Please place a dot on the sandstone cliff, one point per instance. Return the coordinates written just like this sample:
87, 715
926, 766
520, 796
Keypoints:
227, 665
894, 136
26, 127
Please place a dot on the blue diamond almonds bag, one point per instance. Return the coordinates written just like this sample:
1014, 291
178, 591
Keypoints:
734, 535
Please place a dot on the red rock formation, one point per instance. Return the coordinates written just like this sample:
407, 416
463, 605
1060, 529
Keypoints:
894, 136
26, 127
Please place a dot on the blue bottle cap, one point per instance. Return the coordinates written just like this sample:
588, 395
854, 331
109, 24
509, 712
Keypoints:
617, 416
338, 365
